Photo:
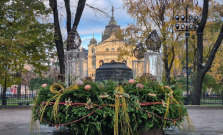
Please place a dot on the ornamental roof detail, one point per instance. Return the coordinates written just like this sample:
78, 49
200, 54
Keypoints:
111, 27
93, 40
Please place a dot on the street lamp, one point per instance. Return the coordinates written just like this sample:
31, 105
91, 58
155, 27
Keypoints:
187, 24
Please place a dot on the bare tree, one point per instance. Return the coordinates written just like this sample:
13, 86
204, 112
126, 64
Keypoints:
57, 30
203, 69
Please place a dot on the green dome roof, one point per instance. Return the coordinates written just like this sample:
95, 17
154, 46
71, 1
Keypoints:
93, 41
112, 22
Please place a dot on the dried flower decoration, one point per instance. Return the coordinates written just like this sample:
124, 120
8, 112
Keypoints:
120, 95
167, 87
152, 94
89, 104
68, 102
104, 95
164, 103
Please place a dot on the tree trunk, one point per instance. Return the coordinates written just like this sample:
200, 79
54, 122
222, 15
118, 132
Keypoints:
168, 66
167, 75
199, 77
197, 89
72, 33
19, 91
58, 37
202, 70
4, 101
25, 91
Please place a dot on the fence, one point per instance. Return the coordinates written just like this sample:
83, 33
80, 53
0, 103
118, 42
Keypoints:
212, 99
15, 99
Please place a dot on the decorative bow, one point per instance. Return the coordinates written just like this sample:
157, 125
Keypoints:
58, 90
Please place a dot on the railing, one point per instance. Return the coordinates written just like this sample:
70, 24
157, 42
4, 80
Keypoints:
15, 99
212, 99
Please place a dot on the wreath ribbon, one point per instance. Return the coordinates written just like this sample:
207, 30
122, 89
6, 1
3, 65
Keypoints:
58, 90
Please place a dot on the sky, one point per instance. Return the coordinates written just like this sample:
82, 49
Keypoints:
94, 22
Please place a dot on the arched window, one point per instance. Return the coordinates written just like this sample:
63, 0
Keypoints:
112, 49
93, 50
112, 61
124, 61
107, 50
94, 62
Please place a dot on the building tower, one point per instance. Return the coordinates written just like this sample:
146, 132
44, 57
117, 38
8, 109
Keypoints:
111, 27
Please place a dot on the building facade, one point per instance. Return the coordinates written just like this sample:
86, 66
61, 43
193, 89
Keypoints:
108, 49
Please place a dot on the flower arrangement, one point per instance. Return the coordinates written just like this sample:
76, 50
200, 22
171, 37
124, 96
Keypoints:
110, 107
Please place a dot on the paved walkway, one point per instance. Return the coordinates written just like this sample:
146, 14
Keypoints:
17, 122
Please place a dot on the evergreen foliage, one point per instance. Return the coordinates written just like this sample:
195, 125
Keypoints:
106, 93
35, 83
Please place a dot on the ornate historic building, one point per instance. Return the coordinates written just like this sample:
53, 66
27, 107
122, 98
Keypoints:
107, 50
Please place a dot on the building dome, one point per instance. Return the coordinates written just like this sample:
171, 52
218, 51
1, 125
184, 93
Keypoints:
93, 41
112, 22
111, 27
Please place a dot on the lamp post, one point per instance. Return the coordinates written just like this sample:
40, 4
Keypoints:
187, 26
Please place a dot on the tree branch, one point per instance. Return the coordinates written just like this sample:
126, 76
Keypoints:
171, 63
213, 51
80, 8
204, 16
67, 6
94, 8
58, 36
200, 35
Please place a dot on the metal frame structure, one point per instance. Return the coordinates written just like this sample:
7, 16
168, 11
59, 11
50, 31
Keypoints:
73, 66
156, 64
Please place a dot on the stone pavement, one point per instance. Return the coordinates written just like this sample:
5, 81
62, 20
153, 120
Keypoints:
17, 122
206, 122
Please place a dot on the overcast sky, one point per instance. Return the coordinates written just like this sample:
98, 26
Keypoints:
94, 22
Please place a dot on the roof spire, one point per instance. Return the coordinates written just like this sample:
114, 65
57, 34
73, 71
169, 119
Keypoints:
112, 11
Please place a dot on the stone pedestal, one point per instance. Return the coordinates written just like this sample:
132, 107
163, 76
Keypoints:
156, 64
113, 71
